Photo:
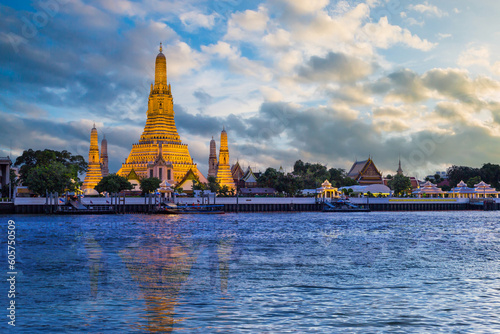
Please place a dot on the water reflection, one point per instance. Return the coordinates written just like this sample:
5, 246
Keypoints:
160, 267
382, 272
96, 265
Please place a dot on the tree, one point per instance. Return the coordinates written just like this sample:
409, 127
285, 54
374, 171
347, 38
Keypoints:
268, 178
113, 184
400, 184
213, 185
347, 182
224, 191
53, 177
389, 177
150, 184
473, 180
490, 173
337, 175
461, 173
299, 167
197, 185
31, 159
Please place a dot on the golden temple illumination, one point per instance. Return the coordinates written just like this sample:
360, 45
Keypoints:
160, 129
224, 175
94, 174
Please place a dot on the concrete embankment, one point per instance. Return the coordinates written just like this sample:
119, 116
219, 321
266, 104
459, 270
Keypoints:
254, 204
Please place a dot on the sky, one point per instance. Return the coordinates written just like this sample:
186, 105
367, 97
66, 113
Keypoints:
323, 81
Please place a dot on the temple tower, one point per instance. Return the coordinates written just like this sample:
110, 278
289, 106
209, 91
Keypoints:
212, 159
224, 176
400, 170
94, 174
160, 129
104, 157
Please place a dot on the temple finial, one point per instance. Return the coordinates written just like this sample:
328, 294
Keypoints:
161, 48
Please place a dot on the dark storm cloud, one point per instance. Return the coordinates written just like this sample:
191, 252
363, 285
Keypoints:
335, 67
326, 135
75, 59
38, 134
206, 125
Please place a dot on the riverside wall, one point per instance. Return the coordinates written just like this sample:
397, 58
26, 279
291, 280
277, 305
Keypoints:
254, 204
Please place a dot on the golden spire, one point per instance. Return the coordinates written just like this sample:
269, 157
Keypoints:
160, 70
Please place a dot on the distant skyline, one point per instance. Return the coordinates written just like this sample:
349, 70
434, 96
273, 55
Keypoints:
321, 81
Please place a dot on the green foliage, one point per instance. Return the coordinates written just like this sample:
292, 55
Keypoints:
473, 180
304, 176
311, 175
347, 182
400, 184
213, 185
289, 184
150, 184
113, 184
14, 181
225, 191
197, 185
51, 177
30, 159
489, 173
461, 173
268, 178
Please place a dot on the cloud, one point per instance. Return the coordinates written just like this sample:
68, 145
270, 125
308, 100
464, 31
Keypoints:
474, 55
243, 26
203, 97
313, 80
335, 67
194, 20
443, 36
305, 7
426, 8
383, 35
182, 59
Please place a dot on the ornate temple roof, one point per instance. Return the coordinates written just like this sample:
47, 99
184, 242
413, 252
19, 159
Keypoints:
356, 168
429, 188
365, 172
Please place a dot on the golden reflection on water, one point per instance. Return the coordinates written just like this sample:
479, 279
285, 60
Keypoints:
160, 267
159, 262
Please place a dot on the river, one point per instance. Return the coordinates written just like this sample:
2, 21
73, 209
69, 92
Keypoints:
390, 272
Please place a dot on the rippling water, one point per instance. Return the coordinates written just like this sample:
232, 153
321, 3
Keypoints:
373, 272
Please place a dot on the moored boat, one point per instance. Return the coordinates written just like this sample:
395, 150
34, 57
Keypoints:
191, 209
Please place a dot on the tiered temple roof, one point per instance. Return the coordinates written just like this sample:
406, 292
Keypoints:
365, 173
224, 175
94, 174
160, 129
429, 188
